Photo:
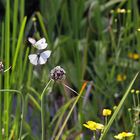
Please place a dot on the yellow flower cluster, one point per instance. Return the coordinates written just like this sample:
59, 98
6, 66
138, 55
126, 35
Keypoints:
135, 91
121, 11
134, 56
122, 135
121, 77
93, 125
106, 112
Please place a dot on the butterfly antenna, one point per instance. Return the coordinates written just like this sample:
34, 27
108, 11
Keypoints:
72, 90
7, 69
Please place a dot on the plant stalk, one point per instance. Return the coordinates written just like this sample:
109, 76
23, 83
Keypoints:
42, 109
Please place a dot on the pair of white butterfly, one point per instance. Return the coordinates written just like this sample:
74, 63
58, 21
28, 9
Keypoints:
41, 57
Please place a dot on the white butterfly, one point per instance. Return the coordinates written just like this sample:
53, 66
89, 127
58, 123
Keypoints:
40, 44
39, 58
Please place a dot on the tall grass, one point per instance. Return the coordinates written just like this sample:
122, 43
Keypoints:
7, 63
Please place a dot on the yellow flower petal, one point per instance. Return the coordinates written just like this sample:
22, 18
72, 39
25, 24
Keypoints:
106, 112
121, 77
129, 134
93, 125
132, 90
137, 91
134, 56
89, 127
99, 126
123, 135
119, 137
121, 10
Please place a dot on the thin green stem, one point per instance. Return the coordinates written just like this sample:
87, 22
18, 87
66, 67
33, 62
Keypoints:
94, 135
105, 120
134, 100
138, 99
42, 109
7, 74
1, 55
130, 116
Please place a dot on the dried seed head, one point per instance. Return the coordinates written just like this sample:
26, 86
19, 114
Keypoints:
1, 66
57, 73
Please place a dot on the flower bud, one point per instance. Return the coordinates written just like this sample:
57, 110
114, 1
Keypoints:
58, 73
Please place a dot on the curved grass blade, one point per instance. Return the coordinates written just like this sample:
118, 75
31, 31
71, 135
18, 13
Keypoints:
40, 18
1, 56
19, 42
7, 74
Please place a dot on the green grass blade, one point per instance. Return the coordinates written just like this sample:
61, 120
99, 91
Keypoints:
40, 18
1, 56
7, 75
21, 33
15, 15
111, 3
35, 103
22, 6
42, 107
24, 65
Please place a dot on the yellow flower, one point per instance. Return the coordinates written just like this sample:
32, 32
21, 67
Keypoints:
34, 19
112, 11
114, 107
132, 90
122, 135
93, 125
138, 29
106, 112
134, 56
121, 10
129, 109
137, 91
121, 77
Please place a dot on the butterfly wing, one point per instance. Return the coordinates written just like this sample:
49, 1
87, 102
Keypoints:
41, 44
31, 40
43, 57
33, 59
